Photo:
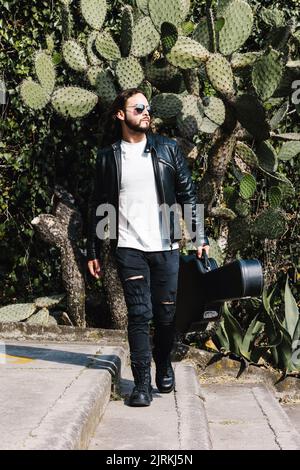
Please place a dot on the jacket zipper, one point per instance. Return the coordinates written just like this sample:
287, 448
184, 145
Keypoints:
119, 185
155, 161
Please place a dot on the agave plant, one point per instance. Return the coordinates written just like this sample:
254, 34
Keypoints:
267, 336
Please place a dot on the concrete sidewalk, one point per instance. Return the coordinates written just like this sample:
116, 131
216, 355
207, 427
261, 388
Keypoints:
53, 395
58, 396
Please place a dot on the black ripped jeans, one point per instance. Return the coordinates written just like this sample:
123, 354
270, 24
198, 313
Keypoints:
149, 281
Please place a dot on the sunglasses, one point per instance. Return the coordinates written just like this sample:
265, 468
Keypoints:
139, 108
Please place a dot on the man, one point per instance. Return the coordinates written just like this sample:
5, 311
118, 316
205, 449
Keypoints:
140, 175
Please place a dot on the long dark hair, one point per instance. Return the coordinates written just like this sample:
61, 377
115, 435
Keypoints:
113, 129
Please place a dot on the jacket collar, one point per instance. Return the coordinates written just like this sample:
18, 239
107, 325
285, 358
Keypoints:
149, 144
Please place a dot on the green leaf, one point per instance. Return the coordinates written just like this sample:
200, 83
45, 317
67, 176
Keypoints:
234, 331
291, 310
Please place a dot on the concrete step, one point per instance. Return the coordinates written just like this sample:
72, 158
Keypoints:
175, 420
247, 416
54, 395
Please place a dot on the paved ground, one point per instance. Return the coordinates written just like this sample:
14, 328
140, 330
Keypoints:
57, 396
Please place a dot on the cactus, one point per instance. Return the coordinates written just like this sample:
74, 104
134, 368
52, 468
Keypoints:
215, 110
275, 196
129, 72
267, 156
271, 224
92, 57
242, 60
166, 105
104, 85
48, 302
74, 56
73, 101
289, 150
45, 71
190, 117
16, 312
169, 11
94, 12
266, 74
252, 116
33, 94
201, 33
106, 46
187, 53
126, 31
272, 17
237, 27
242, 207
246, 154
39, 318
142, 5
169, 36
220, 74
247, 186
145, 38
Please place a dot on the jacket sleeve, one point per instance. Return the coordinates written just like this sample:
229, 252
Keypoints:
186, 195
97, 197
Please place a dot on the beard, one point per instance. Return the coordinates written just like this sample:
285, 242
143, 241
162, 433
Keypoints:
136, 127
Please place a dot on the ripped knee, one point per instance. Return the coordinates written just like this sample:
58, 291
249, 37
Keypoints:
166, 302
132, 278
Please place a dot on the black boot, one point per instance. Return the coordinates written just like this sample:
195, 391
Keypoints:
163, 340
142, 393
164, 376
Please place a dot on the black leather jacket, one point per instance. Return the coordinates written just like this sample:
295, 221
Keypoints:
173, 180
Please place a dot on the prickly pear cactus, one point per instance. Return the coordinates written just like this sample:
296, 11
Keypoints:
201, 80
16, 312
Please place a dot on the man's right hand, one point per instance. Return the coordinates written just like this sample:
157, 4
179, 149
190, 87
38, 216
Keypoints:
94, 268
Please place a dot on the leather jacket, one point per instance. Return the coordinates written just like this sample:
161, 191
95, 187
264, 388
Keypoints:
173, 180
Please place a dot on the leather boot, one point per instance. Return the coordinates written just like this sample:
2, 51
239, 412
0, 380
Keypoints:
164, 376
142, 392
163, 340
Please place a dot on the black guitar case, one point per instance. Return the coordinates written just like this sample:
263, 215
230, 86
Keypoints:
203, 287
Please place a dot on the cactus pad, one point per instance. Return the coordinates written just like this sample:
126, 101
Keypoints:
16, 312
267, 156
106, 46
270, 224
45, 71
190, 117
39, 318
187, 53
246, 59
169, 11
251, 114
74, 55
126, 30
145, 37
275, 196
94, 12
246, 154
33, 95
237, 28
289, 150
166, 105
266, 74
129, 72
215, 110
247, 186
73, 101
92, 57
50, 301
201, 33
220, 74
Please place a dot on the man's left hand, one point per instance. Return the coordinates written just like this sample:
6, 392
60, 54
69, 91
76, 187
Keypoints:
200, 248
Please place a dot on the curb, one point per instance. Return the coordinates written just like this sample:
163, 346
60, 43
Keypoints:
286, 436
193, 428
16, 331
68, 428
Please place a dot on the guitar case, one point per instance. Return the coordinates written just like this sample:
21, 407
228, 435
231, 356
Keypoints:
203, 287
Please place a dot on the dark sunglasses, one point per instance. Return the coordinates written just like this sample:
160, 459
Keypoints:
139, 108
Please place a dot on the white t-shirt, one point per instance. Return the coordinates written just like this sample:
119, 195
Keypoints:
140, 220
